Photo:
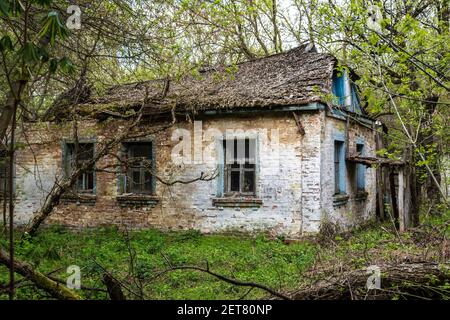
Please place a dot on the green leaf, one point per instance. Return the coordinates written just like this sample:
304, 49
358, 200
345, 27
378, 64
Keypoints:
53, 65
30, 53
16, 8
6, 44
43, 54
53, 27
44, 3
66, 65
4, 8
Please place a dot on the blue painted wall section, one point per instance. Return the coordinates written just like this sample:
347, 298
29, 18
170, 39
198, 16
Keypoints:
339, 91
338, 88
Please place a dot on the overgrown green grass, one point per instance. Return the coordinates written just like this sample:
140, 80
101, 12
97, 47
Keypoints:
143, 255
269, 262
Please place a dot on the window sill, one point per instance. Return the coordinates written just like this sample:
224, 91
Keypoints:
79, 198
137, 200
361, 195
241, 202
340, 199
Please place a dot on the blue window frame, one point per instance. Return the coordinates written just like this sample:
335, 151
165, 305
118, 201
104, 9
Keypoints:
238, 169
360, 170
240, 166
73, 159
343, 88
338, 88
138, 167
339, 167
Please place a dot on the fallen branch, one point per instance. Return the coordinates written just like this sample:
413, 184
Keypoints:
228, 280
412, 280
81, 288
110, 280
41, 281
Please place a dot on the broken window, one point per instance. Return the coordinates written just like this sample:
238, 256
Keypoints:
138, 168
239, 166
339, 167
360, 170
77, 159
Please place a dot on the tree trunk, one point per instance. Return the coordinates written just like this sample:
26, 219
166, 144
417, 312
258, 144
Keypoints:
429, 141
394, 203
114, 288
402, 219
51, 201
379, 182
11, 104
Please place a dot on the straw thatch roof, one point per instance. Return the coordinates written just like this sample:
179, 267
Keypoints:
296, 77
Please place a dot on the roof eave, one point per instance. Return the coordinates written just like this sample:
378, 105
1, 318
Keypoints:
312, 106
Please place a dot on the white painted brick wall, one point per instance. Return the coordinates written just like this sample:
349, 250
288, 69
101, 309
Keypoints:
296, 188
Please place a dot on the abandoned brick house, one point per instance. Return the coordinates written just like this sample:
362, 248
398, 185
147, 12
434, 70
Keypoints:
295, 106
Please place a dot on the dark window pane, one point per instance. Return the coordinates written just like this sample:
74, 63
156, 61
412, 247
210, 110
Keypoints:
136, 176
359, 148
337, 165
235, 150
85, 151
240, 165
147, 182
85, 181
140, 150
90, 181
139, 178
79, 185
235, 177
360, 170
249, 181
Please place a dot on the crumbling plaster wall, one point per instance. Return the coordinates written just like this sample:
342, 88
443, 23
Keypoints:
279, 183
356, 210
293, 184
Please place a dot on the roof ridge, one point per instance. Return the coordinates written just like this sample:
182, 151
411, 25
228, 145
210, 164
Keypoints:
297, 76
303, 47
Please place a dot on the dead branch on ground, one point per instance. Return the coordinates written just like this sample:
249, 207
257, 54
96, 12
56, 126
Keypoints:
39, 280
411, 281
